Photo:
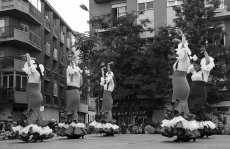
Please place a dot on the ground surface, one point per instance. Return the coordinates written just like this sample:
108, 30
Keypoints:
121, 142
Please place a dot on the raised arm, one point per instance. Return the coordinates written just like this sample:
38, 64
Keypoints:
182, 35
28, 58
109, 69
103, 77
206, 56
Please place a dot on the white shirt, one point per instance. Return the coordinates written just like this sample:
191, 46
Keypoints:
33, 74
183, 59
108, 82
205, 70
75, 73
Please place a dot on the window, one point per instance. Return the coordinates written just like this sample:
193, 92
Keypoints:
18, 81
5, 84
11, 81
145, 5
8, 81
149, 5
36, 4
39, 5
2, 27
55, 89
119, 9
174, 2
24, 81
141, 6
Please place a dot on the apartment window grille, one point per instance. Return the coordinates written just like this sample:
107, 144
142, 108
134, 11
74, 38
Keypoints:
173, 2
149, 5
119, 10
145, 5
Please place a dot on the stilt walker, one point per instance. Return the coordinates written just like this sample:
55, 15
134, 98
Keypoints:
72, 128
105, 123
36, 129
178, 121
198, 96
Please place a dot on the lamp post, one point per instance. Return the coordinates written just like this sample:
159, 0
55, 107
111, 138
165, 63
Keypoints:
84, 7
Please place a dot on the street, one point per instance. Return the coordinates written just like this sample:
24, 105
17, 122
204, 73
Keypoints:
121, 142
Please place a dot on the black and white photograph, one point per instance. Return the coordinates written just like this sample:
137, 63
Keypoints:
114, 74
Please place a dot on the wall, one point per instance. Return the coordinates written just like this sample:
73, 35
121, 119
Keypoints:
171, 14
160, 14
148, 14
131, 5
99, 9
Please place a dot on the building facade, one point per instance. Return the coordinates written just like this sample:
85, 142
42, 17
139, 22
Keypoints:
161, 14
35, 27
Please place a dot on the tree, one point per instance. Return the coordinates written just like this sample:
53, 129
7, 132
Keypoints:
134, 67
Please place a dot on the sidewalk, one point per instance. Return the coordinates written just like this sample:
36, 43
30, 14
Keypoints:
121, 142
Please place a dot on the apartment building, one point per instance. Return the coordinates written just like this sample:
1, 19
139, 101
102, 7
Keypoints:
34, 26
159, 12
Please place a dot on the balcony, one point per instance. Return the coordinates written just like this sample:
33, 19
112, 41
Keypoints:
48, 25
11, 64
68, 43
62, 58
62, 38
47, 48
55, 31
56, 76
102, 1
55, 54
223, 14
19, 36
21, 9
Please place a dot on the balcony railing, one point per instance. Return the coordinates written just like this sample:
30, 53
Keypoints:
11, 63
62, 37
55, 54
55, 31
35, 12
35, 39
47, 47
68, 43
48, 24
22, 6
20, 33
62, 58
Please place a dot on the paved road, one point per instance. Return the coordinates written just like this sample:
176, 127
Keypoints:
121, 142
